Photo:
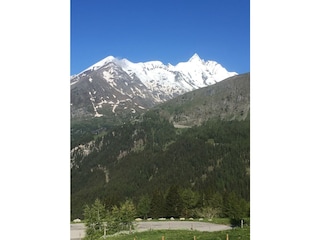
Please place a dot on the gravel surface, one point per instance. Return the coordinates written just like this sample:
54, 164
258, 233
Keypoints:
187, 225
77, 231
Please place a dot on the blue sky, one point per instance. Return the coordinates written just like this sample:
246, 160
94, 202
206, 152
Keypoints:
35, 62
169, 31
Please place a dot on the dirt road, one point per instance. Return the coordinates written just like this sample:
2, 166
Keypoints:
186, 225
77, 231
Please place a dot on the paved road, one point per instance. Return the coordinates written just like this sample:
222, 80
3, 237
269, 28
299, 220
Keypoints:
78, 230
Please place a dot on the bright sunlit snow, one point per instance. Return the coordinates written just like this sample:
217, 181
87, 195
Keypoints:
162, 81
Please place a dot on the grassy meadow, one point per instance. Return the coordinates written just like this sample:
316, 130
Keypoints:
236, 233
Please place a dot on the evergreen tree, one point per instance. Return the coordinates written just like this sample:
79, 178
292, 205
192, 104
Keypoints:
127, 214
144, 206
174, 202
157, 205
95, 216
190, 200
235, 208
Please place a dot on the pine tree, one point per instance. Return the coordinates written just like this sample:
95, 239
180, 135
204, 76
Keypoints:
157, 205
173, 203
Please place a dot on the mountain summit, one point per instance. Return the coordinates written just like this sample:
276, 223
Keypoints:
115, 86
195, 58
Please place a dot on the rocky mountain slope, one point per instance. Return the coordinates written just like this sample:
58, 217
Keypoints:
159, 148
225, 100
123, 88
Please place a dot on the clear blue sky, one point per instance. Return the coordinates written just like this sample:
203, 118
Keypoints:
168, 30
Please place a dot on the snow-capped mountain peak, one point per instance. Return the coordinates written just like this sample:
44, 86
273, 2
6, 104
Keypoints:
118, 83
101, 63
195, 58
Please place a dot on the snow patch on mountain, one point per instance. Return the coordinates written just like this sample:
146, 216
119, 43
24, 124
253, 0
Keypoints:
144, 83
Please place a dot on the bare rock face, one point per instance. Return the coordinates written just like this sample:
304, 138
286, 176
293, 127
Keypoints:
120, 87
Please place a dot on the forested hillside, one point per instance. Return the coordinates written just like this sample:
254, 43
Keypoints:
202, 169
148, 158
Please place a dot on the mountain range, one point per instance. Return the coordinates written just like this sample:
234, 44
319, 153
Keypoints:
121, 88
199, 140
141, 129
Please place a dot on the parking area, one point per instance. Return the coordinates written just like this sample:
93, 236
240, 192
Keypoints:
77, 231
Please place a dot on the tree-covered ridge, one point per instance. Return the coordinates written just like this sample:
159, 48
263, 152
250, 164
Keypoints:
84, 131
225, 100
143, 160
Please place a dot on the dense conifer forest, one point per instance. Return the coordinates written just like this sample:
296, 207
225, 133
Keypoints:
165, 171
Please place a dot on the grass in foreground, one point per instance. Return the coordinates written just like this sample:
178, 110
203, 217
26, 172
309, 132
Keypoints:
237, 233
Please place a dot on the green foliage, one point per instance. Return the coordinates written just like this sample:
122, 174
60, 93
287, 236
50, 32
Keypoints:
237, 233
147, 158
85, 131
174, 204
190, 200
157, 205
227, 100
235, 208
144, 206
125, 214
94, 216
98, 220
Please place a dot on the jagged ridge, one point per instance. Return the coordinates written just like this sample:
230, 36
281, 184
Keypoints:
120, 87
